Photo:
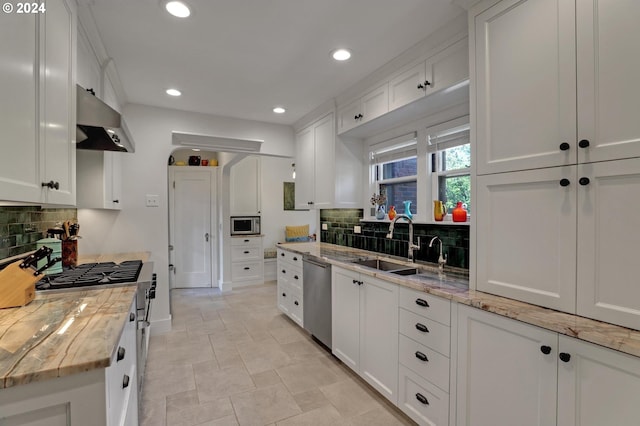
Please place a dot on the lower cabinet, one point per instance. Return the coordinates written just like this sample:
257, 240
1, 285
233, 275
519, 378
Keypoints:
513, 373
247, 261
365, 328
290, 285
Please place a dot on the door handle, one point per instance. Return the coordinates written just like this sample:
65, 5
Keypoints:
206, 237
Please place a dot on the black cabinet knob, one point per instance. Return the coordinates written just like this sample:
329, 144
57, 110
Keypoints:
564, 357
125, 382
121, 352
116, 201
284, 272
421, 356
295, 258
296, 303
296, 277
545, 349
281, 254
132, 317
93, 92
284, 294
355, 117
584, 143
422, 302
424, 85
584, 181
51, 184
422, 399
360, 282
564, 182
422, 327
354, 281
564, 146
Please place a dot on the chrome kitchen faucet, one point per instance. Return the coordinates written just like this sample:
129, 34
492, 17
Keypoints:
412, 246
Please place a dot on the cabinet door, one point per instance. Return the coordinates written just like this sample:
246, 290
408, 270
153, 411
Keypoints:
448, 67
608, 69
20, 159
345, 316
375, 103
609, 237
305, 168
59, 101
403, 89
526, 236
115, 180
245, 187
324, 149
525, 85
379, 336
504, 378
348, 116
597, 386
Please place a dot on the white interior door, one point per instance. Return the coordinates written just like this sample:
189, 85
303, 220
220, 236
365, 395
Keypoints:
192, 197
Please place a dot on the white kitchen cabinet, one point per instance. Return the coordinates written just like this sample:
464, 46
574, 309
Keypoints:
290, 285
247, 260
528, 111
245, 187
597, 386
504, 377
37, 158
99, 179
371, 105
328, 170
438, 72
365, 328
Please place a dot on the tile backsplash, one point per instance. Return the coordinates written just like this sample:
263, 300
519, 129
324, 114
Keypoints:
340, 223
21, 227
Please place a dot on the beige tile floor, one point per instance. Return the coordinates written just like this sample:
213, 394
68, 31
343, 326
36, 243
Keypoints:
234, 359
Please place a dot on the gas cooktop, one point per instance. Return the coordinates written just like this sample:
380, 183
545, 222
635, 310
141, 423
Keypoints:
92, 274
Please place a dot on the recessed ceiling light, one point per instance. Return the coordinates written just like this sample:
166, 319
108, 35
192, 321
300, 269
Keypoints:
178, 9
341, 54
279, 110
195, 149
173, 92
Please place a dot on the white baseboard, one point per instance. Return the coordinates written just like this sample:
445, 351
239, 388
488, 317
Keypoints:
161, 326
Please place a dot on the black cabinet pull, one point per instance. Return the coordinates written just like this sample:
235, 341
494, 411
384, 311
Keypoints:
422, 399
360, 282
296, 303
584, 143
545, 349
246, 241
120, 355
424, 85
564, 146
584, 181
421, 356
247, 252
51, 184
116, 201
564, 182
246, 268
422, 302
564, 357
422, 327
125, 382
354, 281
355, 117
132, 317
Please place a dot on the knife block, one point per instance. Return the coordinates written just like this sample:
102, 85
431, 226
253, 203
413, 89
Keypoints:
17, 285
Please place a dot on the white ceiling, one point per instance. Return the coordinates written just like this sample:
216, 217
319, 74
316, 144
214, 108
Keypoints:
240, 58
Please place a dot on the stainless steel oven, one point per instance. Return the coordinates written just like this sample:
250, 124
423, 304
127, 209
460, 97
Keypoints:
245, 225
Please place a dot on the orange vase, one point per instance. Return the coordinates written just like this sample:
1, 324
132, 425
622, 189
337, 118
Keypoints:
459, 213
392, 213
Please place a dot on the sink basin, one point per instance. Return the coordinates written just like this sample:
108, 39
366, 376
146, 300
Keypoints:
381, 265
408, 271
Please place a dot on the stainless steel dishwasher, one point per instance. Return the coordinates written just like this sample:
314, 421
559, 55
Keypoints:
317, 298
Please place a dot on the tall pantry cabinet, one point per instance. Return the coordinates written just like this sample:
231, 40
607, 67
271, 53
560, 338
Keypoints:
37, 109
557, 147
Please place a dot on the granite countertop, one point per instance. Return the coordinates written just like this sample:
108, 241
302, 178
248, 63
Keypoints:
455, 288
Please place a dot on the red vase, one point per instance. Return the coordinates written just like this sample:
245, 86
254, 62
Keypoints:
459, 213
392, 213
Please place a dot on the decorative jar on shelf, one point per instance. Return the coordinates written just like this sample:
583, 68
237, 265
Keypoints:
392, 213
439, 210
459, 213
380, 213
407, 209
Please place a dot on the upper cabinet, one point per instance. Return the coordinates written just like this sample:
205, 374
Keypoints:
99, 179
529, 114
245, 187
328, 169
440, 71
371, 105
37, 110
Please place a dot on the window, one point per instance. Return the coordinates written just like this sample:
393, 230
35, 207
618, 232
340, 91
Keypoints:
394, 171
450, 162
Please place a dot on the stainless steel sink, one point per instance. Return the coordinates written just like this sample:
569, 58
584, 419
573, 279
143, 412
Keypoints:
381, 265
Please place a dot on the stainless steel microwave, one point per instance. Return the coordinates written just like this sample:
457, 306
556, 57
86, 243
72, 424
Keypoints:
245, 225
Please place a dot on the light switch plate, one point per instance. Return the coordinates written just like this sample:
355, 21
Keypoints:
152, 200
357, 229
325, 227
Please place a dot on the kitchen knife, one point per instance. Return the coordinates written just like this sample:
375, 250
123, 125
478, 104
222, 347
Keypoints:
32, 259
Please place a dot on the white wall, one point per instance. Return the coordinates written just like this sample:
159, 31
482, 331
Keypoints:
140, 228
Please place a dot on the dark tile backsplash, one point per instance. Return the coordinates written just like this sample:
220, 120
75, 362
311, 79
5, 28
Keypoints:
340, 223
21, 227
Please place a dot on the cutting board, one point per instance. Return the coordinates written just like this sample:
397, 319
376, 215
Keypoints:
17, 285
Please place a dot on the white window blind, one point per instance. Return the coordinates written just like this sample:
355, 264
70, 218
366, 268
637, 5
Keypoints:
454, 134
405, 146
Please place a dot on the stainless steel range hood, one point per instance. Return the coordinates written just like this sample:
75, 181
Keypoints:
99, 127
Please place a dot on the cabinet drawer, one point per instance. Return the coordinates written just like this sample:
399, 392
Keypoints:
246, 241
240, 253
292, 258
247, 270
291, 275
284, 295
422, 401
295, 307
433, 367
425, 331
425, 304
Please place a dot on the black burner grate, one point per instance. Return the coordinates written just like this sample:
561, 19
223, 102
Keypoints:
89, 274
